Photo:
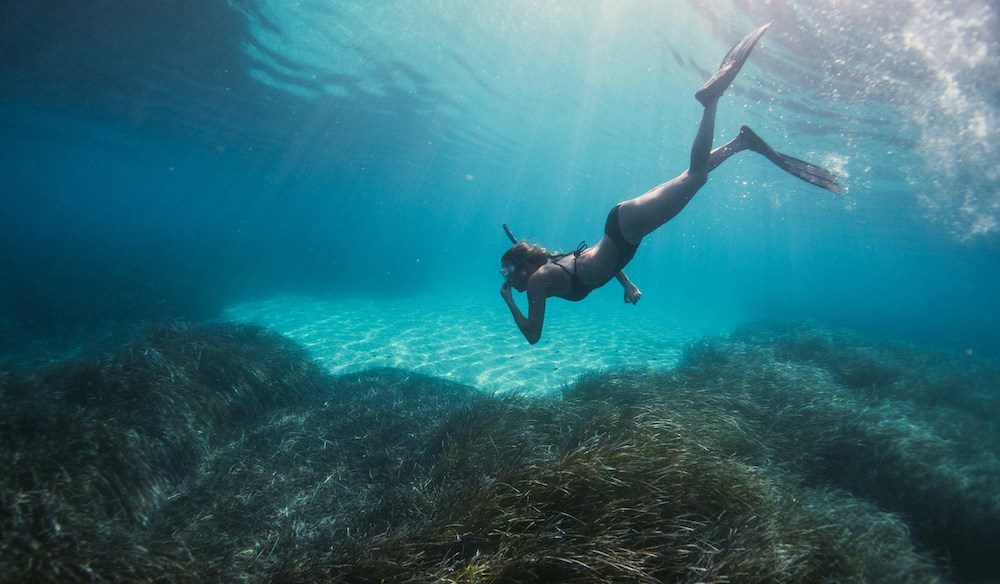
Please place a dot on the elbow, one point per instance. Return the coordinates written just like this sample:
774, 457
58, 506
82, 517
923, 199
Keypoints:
533, 337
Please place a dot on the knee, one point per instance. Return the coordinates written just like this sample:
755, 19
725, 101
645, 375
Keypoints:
696, 177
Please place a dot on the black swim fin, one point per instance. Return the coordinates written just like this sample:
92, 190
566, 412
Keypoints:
730, 66
806, 171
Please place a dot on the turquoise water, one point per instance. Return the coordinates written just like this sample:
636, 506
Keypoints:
176, 162
250, 321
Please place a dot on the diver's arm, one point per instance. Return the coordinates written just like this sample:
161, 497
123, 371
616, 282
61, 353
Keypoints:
632, 294
530, 327
623, 279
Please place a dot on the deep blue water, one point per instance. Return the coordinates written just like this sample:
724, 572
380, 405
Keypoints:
163, 161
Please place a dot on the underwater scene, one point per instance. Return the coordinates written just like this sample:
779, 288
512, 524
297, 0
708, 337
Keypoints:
653, 291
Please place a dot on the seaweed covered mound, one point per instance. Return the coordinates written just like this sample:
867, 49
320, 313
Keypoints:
916, 432
222, 453
92, 451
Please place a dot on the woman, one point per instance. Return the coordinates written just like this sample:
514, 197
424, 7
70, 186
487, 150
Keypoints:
530, 268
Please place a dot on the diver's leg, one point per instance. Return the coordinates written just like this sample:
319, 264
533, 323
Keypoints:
639, 216
722, 153
702, 146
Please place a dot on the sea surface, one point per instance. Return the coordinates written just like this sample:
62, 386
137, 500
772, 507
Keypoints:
336, 173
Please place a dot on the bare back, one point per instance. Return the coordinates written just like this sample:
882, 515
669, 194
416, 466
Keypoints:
594, 267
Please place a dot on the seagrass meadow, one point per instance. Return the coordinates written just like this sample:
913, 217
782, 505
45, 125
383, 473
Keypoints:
777, 453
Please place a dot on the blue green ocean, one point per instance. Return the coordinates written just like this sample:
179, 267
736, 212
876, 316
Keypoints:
250, 315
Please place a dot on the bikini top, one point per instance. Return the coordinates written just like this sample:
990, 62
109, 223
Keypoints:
577, 289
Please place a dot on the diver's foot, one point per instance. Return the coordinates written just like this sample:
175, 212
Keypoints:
731, 64
751, 141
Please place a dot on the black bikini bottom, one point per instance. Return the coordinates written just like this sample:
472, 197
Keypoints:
614, 232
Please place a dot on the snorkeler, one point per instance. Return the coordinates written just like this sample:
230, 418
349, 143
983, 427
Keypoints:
572, 276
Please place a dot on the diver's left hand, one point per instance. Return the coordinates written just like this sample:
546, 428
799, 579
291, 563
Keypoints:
632, 295
505, 292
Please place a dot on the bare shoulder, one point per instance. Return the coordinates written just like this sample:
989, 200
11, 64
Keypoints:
544, 281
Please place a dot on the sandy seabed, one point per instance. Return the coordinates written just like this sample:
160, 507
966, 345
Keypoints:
476, 342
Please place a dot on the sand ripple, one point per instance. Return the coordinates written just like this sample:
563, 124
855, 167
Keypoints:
474, 342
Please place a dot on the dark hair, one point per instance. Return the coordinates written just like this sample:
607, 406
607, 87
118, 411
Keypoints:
523, 252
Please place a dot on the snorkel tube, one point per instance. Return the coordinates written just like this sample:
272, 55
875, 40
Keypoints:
509, 234
506, 271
